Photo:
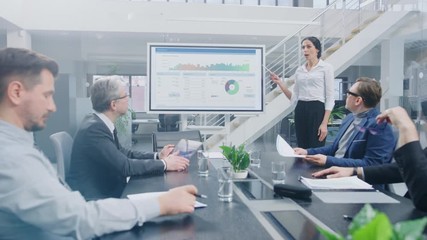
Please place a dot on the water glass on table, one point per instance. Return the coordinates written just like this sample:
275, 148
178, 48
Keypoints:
255, 157
278, 172
225, 180
203, 163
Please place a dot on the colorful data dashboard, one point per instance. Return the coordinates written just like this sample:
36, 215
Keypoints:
205, 78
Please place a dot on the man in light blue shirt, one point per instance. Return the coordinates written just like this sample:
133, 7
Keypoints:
33, 203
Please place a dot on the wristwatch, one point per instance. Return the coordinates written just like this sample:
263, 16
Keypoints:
354, 171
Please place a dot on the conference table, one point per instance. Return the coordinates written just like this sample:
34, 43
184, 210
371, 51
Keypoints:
255, 211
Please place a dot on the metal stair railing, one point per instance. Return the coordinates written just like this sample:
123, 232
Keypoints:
334, 26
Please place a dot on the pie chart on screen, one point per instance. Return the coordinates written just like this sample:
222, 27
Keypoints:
232, 87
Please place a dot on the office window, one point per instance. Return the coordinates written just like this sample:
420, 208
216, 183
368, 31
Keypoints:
339, 93
268, 2
250, 2
288, 3
320, 4
214, 1
138, 86
232, 2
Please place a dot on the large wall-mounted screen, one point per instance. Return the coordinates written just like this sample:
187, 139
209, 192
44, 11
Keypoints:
205, 78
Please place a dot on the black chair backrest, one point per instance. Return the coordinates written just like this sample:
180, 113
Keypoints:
161, 139
168, 122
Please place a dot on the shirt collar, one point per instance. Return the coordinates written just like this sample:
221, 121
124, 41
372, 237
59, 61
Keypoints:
106, 120
321, 63
15, 132
362, 114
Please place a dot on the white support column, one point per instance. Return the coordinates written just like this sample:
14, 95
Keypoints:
184, 122
227, 123
18, 39
392, 72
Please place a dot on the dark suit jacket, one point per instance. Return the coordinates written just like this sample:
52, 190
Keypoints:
410, 166
364, 148
98, 169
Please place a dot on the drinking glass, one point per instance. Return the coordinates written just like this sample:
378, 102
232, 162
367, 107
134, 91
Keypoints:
255, 157
278, 172
203, 163
225, 190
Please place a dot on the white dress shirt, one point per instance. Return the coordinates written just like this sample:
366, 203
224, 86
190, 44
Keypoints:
35, 205
315, 85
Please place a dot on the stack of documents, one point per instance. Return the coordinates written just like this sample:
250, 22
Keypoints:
345, 183
346, 187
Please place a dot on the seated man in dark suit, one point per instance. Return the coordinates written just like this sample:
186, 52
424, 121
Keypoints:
360, 140
410, 165
99, 164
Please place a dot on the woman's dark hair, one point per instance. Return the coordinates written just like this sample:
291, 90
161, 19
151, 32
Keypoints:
316, 43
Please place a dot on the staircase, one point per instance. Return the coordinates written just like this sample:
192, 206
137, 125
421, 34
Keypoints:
347, 32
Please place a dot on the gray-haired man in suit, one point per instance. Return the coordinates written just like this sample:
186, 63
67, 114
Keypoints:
99, 164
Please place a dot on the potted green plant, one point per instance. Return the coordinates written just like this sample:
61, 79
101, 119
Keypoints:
123, 125
337, 113
372, 224
238, 158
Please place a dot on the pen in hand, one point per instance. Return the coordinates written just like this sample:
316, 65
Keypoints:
200, 195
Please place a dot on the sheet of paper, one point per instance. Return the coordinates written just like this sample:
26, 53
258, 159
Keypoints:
215, 155
156, 194
284, 149
336, 183
355, 197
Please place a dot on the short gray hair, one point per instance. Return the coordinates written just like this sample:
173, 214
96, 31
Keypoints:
104, 90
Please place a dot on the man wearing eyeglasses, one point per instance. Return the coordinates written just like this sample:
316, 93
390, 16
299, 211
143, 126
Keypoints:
410, 165
99, 164
360, 141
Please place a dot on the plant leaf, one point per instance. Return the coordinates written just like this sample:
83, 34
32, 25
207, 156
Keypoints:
366, 214
237, 156
226, 151
379, 228
329, 235
412, 229
372, 224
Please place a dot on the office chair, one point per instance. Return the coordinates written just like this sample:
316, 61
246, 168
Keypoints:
168, 122
161, 139
62, 143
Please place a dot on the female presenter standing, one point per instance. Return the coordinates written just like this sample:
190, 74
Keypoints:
314, 94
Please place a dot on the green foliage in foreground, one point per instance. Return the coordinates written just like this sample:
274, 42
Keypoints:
373, 224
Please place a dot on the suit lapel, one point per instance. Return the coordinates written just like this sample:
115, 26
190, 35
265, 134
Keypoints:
106, 129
